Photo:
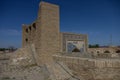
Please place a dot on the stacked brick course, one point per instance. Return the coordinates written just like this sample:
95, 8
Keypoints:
45, 33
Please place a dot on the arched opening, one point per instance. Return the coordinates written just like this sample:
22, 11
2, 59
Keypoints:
30, 28
26, 40
27, 30
118, 51
76, 50
98, 52
34, 26
106, 51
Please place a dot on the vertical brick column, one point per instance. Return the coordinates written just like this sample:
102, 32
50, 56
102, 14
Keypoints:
23, 35
47, 34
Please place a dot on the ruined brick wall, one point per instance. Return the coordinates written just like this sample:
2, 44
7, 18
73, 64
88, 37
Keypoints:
28, 34
110, 52
92, 69
23, 35
44, 32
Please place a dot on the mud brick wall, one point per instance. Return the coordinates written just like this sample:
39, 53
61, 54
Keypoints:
92, 69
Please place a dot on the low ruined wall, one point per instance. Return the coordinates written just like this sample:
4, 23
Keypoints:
92, 69
103, 50
23, 56
105, 55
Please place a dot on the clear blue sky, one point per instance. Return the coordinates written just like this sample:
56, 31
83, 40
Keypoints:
97, 18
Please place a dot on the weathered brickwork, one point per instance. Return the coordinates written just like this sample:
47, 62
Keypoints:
28, 34
45, 53
73, 37
104, 50
92, 69
48, 21
44, 33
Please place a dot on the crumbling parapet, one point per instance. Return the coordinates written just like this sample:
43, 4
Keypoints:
92, 69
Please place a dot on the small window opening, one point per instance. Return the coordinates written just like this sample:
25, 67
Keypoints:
34, 25
27, 30
30, 28
26, 40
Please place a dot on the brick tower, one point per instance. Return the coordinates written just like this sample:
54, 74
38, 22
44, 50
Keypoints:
47, 34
